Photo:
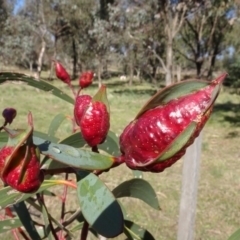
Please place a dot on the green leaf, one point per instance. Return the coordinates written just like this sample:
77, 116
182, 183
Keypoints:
78, 158
75, 140
136, 232
11, 196
99, 207
137, 188
171, 92
235, 235
39, 208
101, 96
3, 139
178, 143
45, 86
55, 124
111, 144
180, 89
45, 136
48, 230
8, 224
137, 173
26, 220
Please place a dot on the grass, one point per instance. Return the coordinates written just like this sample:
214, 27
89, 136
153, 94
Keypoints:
218, 206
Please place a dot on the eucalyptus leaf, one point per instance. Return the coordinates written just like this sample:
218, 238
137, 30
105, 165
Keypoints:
26, 220
101, 96
111, 144
48, 227
99, 207
235, 235
11, 196
136, 232
178, 143
137, 188
137, 173
55, 124
171, 92
9, 224
77, 158
42, 85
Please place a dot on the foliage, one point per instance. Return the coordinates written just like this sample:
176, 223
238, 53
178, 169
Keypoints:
99, 206
233, 69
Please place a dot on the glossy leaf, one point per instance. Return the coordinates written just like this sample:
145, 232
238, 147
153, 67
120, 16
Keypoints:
3, 139
78, 158
178, 143
171, 92
99, 207
55, 124
101, 96
180, 89
111, 144
137, 173
26, 220
48, 230
8, 224
75, 140
11, 196
136, 232
235, 235
43, 85
59, 225
137, 188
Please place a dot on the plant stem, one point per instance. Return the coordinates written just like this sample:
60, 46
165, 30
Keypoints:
73, 91
70, 219
84, 232
95, 149
58, 171
64, 197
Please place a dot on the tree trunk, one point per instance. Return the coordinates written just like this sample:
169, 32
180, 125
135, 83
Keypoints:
179, 70
131, 73
169, 62
54, 58
31, 66
75, 58
40, 59
99, 73
211, 65
199, 68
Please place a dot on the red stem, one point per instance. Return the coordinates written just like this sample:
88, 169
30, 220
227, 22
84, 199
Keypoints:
84, 232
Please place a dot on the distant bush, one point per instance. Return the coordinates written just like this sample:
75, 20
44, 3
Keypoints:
233, 69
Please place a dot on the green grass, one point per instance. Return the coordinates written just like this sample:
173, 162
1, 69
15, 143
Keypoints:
218, 205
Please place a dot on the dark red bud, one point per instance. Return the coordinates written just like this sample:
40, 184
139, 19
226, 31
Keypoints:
80, 106
61, 73
95, 123
93, 119
32, 177
85, 79
9, 114
159, 137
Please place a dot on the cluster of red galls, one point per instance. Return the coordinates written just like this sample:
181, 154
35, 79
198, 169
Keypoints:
153, 141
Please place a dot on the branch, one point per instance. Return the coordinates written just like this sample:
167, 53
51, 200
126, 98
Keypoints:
189, 59
160, 60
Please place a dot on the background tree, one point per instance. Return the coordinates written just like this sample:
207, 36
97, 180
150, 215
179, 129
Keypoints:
203, 34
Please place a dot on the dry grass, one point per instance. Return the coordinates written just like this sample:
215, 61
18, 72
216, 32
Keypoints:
218, 206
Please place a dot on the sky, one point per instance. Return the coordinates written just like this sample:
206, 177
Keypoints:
19, 4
